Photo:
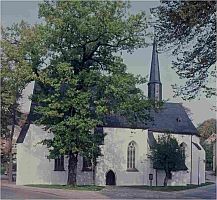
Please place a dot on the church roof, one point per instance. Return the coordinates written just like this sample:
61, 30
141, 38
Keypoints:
155, 72
171, 118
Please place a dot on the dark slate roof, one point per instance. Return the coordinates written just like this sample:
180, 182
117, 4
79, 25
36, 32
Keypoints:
155, 72
23, 132
171, 118
196, 145
25, 127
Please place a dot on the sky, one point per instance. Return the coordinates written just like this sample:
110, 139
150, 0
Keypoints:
137, 63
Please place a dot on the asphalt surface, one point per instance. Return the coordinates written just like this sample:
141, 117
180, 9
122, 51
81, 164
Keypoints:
206, 192
16, 192
12, 193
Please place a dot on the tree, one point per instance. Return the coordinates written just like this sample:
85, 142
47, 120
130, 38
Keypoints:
167, 155
206, 129
83, 79
15, 73
208, 147
188, 28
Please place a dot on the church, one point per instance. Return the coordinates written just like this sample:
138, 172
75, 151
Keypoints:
124, 160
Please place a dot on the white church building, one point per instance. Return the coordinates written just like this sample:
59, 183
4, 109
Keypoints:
125, 150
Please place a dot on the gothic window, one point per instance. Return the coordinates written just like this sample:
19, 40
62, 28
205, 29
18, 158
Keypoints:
59, 163
183, 148
87, 164
131, 154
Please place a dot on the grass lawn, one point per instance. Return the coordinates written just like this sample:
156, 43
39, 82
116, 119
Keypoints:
171, 188
69, 187
98, 188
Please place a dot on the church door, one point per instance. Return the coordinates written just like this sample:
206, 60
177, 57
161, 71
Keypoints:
110, 178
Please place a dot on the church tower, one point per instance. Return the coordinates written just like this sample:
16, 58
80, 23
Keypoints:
154, 84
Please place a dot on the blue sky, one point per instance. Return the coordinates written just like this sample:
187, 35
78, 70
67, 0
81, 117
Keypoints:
138, 63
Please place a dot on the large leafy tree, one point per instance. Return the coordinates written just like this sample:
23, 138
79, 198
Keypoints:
15, 73
207, 128
208, 147
166, 154
188, 29
81, 78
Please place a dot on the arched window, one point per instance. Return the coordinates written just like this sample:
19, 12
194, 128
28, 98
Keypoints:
131, 154
59, 163
183, 148
87, 164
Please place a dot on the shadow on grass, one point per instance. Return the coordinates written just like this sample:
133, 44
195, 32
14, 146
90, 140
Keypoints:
68, 187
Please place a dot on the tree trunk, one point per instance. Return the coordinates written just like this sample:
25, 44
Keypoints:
167, 177
94, 174
10, 164
166, 180
72, 168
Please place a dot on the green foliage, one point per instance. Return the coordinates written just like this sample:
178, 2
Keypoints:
188, 28
206, 129
209, 155
167, 155
80, 77
15, 73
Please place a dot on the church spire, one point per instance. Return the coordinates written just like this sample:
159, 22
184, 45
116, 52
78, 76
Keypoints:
154, 73
154, 84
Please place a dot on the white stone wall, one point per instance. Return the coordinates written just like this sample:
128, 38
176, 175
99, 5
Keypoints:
198, 163
115, 156
33, 167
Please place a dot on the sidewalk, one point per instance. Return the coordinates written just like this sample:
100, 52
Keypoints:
59, 193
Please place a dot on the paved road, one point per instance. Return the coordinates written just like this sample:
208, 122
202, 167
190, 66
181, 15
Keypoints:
12, 193
207, 192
